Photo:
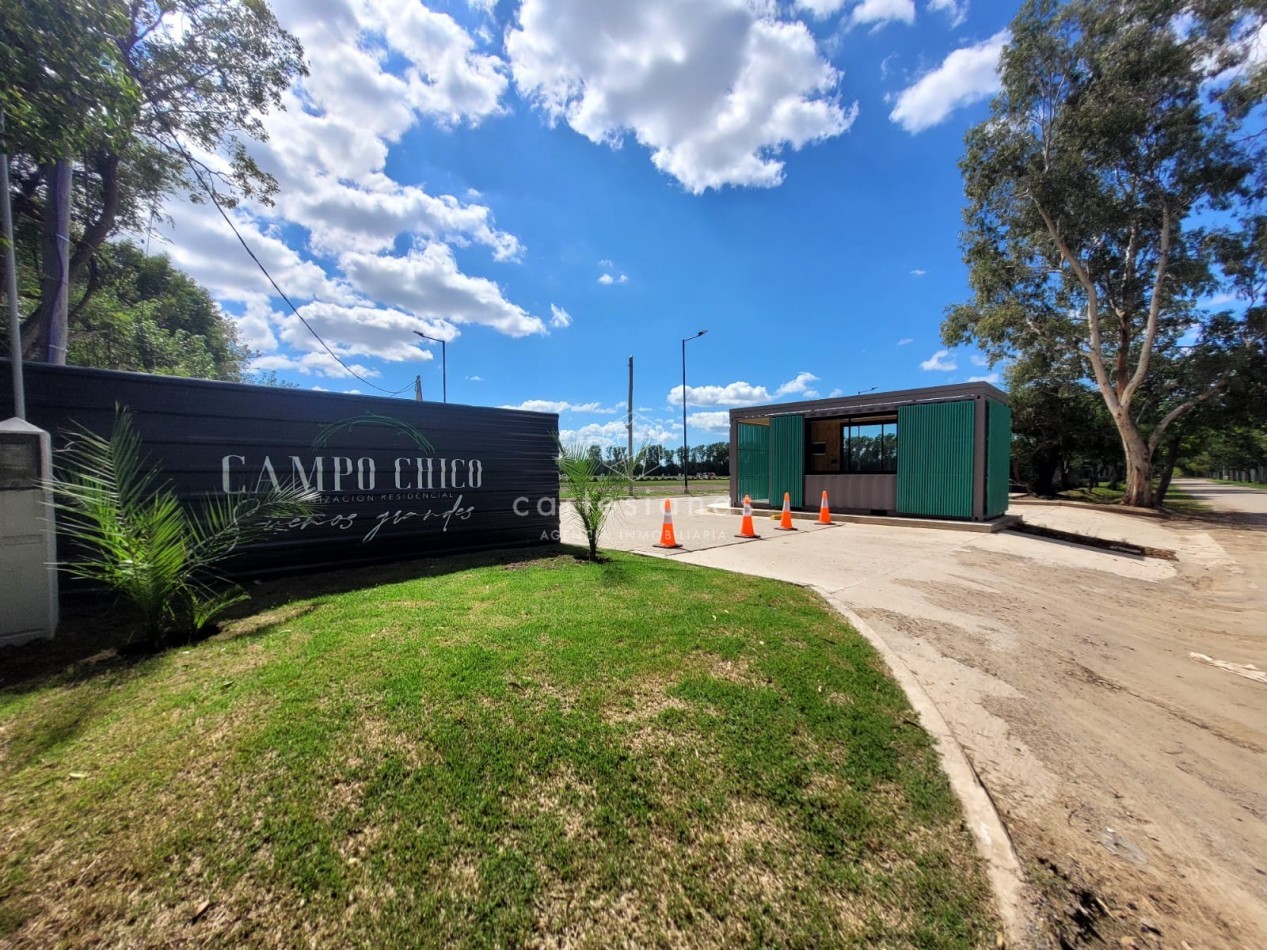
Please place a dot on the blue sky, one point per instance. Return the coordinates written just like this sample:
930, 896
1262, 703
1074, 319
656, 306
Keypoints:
555, 185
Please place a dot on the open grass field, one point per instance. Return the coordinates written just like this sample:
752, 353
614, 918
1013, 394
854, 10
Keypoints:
668, 488
485, 752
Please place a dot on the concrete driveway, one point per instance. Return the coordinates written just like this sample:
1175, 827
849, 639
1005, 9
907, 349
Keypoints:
1103, 699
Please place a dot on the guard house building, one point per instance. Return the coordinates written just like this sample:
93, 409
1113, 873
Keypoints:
940, 452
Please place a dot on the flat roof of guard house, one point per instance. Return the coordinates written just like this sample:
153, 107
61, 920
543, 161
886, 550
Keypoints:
937, 451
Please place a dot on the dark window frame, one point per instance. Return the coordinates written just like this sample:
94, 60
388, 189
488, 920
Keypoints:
843, 425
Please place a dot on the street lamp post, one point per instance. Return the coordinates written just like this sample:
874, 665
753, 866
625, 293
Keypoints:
444, 363
686, 452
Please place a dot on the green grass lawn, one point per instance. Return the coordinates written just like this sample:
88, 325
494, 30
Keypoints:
1102, 494
515, 752
669, 488
1232, 481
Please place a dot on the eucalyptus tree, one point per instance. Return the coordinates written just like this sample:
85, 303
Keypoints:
1112, 196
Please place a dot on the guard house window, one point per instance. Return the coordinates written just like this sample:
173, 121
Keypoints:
871, 448
857, 446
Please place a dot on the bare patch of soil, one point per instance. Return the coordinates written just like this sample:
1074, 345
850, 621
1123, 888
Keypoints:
1132, 779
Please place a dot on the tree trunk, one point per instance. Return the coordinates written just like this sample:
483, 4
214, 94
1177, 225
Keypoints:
55, 266
35, 340
1166, 467
1139, 466
1045, 466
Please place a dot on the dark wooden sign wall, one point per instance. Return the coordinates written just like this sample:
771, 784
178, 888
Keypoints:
397, 478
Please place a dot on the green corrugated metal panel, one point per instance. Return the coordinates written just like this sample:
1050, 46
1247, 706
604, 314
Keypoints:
998, 454
934, 459
787, 459
754, 461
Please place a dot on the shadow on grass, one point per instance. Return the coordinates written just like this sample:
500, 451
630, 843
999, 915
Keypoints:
60, 722
95, 635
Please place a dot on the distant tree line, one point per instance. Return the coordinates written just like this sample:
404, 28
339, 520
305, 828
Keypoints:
658, 461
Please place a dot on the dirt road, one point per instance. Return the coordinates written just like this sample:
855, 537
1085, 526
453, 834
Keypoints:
1225, 497
1131, 776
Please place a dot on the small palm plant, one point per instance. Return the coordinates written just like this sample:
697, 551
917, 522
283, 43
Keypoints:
135, 537
594, 487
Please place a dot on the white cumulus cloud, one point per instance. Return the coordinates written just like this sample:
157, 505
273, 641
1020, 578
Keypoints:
883, 11
741, 393
715, 89
955, 10
709, 421
447, 78
428, 283
799, 386
966, 76
941, 362
559, 317
646, 432
360, 331
553, 405
732, 394
371, 214
333, 239
323, 364
820, 9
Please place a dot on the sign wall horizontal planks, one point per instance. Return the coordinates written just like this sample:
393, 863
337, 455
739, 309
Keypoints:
397, 478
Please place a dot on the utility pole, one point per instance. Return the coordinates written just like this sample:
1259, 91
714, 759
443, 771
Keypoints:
629, 429
11, 281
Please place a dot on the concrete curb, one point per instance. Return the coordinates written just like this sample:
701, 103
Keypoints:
1155, 514
1001, 523
993, 842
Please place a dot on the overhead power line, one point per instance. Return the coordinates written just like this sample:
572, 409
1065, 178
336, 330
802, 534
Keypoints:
215, 200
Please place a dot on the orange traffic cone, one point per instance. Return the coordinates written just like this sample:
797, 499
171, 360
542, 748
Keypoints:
785, 523
824, 513
666, 533
746, 529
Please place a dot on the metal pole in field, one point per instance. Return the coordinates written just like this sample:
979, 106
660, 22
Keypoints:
11, 282
686, 452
